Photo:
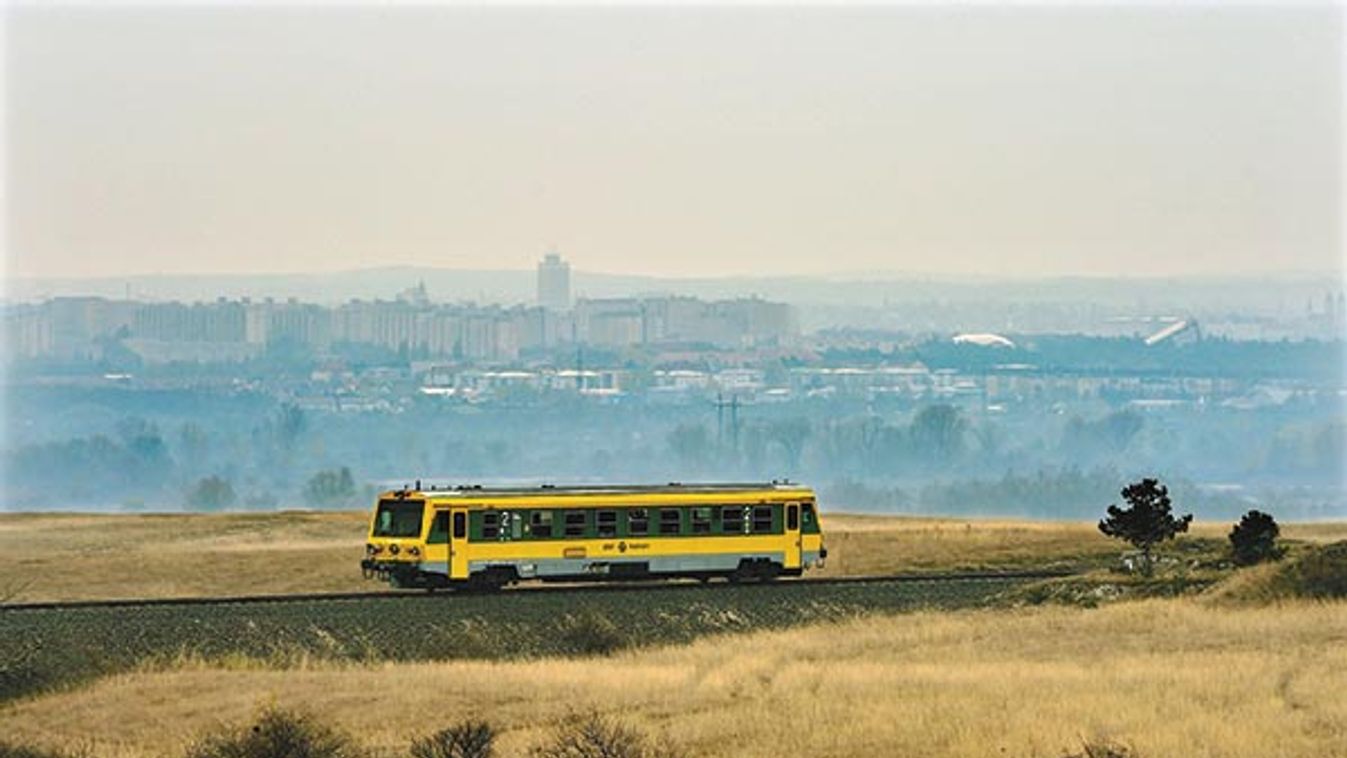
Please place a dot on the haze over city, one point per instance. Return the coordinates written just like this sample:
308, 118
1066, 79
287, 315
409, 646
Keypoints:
1027, 141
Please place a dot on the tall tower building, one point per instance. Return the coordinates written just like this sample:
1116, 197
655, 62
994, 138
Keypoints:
554, 283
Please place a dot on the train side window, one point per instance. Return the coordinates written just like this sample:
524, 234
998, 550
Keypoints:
575, 523
792, 517
607, 523
670, 521
460, 526
762, 519
439, 529
540, 523
516, 522
638, 522
490, 525
701, 520
732, 520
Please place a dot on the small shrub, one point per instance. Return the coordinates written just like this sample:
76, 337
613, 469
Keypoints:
15, 750
1254, 539
596, 736
1103, 749
591, 633
277, 734
1320, 573
212, 493
470, 739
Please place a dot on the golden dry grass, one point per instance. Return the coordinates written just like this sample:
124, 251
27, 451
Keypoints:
77, 557
882, 544
1171, 678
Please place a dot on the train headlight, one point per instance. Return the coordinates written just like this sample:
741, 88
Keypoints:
371, 549
393, 549
415, 551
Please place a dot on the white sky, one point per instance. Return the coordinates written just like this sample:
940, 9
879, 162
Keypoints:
693, 141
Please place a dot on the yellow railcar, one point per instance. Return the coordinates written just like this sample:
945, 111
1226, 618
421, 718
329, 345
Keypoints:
490, 537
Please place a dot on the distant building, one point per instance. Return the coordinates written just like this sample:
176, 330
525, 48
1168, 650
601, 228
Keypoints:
983, 340
1180, 332
554, 283
740, 323
81, 329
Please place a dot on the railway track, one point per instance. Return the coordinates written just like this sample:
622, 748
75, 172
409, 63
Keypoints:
651, 586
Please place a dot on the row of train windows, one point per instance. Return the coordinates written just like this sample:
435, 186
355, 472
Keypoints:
639, 522
547, 524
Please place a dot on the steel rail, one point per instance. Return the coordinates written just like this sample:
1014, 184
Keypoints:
571, 587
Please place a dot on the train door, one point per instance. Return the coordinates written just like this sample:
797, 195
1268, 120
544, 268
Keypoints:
793, 546
458, 544
436, 559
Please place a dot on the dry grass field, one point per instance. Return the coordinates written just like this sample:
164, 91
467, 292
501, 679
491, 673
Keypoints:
76, 557
1167, 678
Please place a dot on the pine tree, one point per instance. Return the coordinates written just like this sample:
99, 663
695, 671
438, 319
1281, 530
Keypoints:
1147, 521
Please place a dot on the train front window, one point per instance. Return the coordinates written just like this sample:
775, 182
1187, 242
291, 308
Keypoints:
439, 529
399, 518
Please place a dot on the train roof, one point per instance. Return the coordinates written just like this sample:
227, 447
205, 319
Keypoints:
542, 490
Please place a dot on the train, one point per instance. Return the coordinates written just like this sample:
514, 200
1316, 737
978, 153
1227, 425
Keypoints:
481, 537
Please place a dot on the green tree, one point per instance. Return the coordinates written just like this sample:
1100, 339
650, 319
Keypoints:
791, 434
194, 443
333, 487
1254, 539
938, 431
290, 425
690, 443
1147, 521
212, 493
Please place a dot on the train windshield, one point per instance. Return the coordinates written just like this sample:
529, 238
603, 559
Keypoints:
399, 518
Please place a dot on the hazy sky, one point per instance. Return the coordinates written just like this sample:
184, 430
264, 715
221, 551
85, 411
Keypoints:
704, 141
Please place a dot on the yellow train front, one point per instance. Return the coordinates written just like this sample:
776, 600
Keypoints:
491, 537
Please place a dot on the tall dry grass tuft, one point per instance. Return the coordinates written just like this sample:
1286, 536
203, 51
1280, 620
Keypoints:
470, 739
592, 633
594, 735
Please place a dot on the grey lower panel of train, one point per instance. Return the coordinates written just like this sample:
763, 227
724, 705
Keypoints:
668, 564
